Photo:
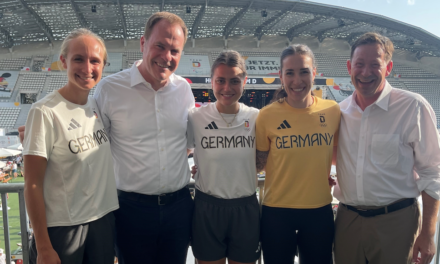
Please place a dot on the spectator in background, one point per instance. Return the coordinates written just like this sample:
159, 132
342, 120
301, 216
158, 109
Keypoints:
14, 169
19, 160
2, 257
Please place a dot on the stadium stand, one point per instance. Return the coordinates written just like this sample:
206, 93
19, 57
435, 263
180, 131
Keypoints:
332, 65
133, 55
218, 23
59, 80
395, 83
327, 94
411, 72
13, 64
214, 26
56, 82
31, 81
38, 63
9, 116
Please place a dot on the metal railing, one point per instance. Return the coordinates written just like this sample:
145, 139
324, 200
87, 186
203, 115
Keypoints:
15, 188
19, 188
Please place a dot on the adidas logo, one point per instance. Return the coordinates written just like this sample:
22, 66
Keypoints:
284, 125
212, 125
73, 125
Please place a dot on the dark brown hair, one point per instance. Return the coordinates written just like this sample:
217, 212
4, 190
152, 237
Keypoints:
230, 58
301, 49
374, 38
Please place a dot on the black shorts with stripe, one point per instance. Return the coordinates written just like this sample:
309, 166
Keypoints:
226, 228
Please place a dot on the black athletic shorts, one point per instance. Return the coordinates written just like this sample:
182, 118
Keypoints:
89, 243
226, 228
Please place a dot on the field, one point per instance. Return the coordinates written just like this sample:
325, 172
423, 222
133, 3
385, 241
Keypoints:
14, 219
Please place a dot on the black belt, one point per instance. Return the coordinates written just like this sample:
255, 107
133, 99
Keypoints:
161, 199
384, 210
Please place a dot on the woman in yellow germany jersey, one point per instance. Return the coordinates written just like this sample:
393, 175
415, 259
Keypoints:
295, 139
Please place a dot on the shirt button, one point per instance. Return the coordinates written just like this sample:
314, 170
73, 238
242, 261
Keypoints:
158, 110
161, 149
163, 168
160, 130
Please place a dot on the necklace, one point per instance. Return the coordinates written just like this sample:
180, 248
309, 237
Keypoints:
230, 123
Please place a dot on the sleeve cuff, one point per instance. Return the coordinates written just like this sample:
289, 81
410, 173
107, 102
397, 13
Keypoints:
430, 186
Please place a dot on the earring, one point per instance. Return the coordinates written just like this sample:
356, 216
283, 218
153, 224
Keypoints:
282, 86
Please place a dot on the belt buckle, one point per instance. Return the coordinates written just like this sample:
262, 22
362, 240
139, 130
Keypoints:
158, 199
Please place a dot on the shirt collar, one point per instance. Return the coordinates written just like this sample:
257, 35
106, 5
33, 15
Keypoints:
384, 97
137, 78
382, 101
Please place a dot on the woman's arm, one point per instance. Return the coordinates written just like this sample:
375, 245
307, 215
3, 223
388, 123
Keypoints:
261, 160
35, 167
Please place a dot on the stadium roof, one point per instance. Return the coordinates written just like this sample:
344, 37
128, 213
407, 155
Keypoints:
26, 21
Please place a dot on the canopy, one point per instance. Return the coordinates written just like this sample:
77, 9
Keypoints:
16, 146
8, 152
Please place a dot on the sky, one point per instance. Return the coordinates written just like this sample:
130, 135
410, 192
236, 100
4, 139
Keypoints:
421, 13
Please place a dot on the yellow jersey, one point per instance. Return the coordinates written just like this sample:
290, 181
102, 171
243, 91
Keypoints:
300, 144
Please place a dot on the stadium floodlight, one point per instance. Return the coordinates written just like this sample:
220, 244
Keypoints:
93, 8
188, 9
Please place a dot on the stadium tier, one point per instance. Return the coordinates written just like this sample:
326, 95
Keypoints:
31, 81
29, 67
13, 64
334, 81
9, 116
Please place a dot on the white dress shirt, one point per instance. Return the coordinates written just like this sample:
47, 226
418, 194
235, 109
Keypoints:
389, 151
147, 130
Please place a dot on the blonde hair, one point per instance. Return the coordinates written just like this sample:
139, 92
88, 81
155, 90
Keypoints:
170, 17
76, 33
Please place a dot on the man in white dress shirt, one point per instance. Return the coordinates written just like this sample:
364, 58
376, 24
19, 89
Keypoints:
145, 110
388, 154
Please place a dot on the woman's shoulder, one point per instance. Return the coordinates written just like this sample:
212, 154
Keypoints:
249, 109
46, 103
202, 110
327, 104
248, 112
274, 106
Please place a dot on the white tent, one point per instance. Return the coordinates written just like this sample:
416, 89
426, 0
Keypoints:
2, 164
16, 147
8, 152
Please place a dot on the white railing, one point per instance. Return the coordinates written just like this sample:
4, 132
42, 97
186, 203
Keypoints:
24, 226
